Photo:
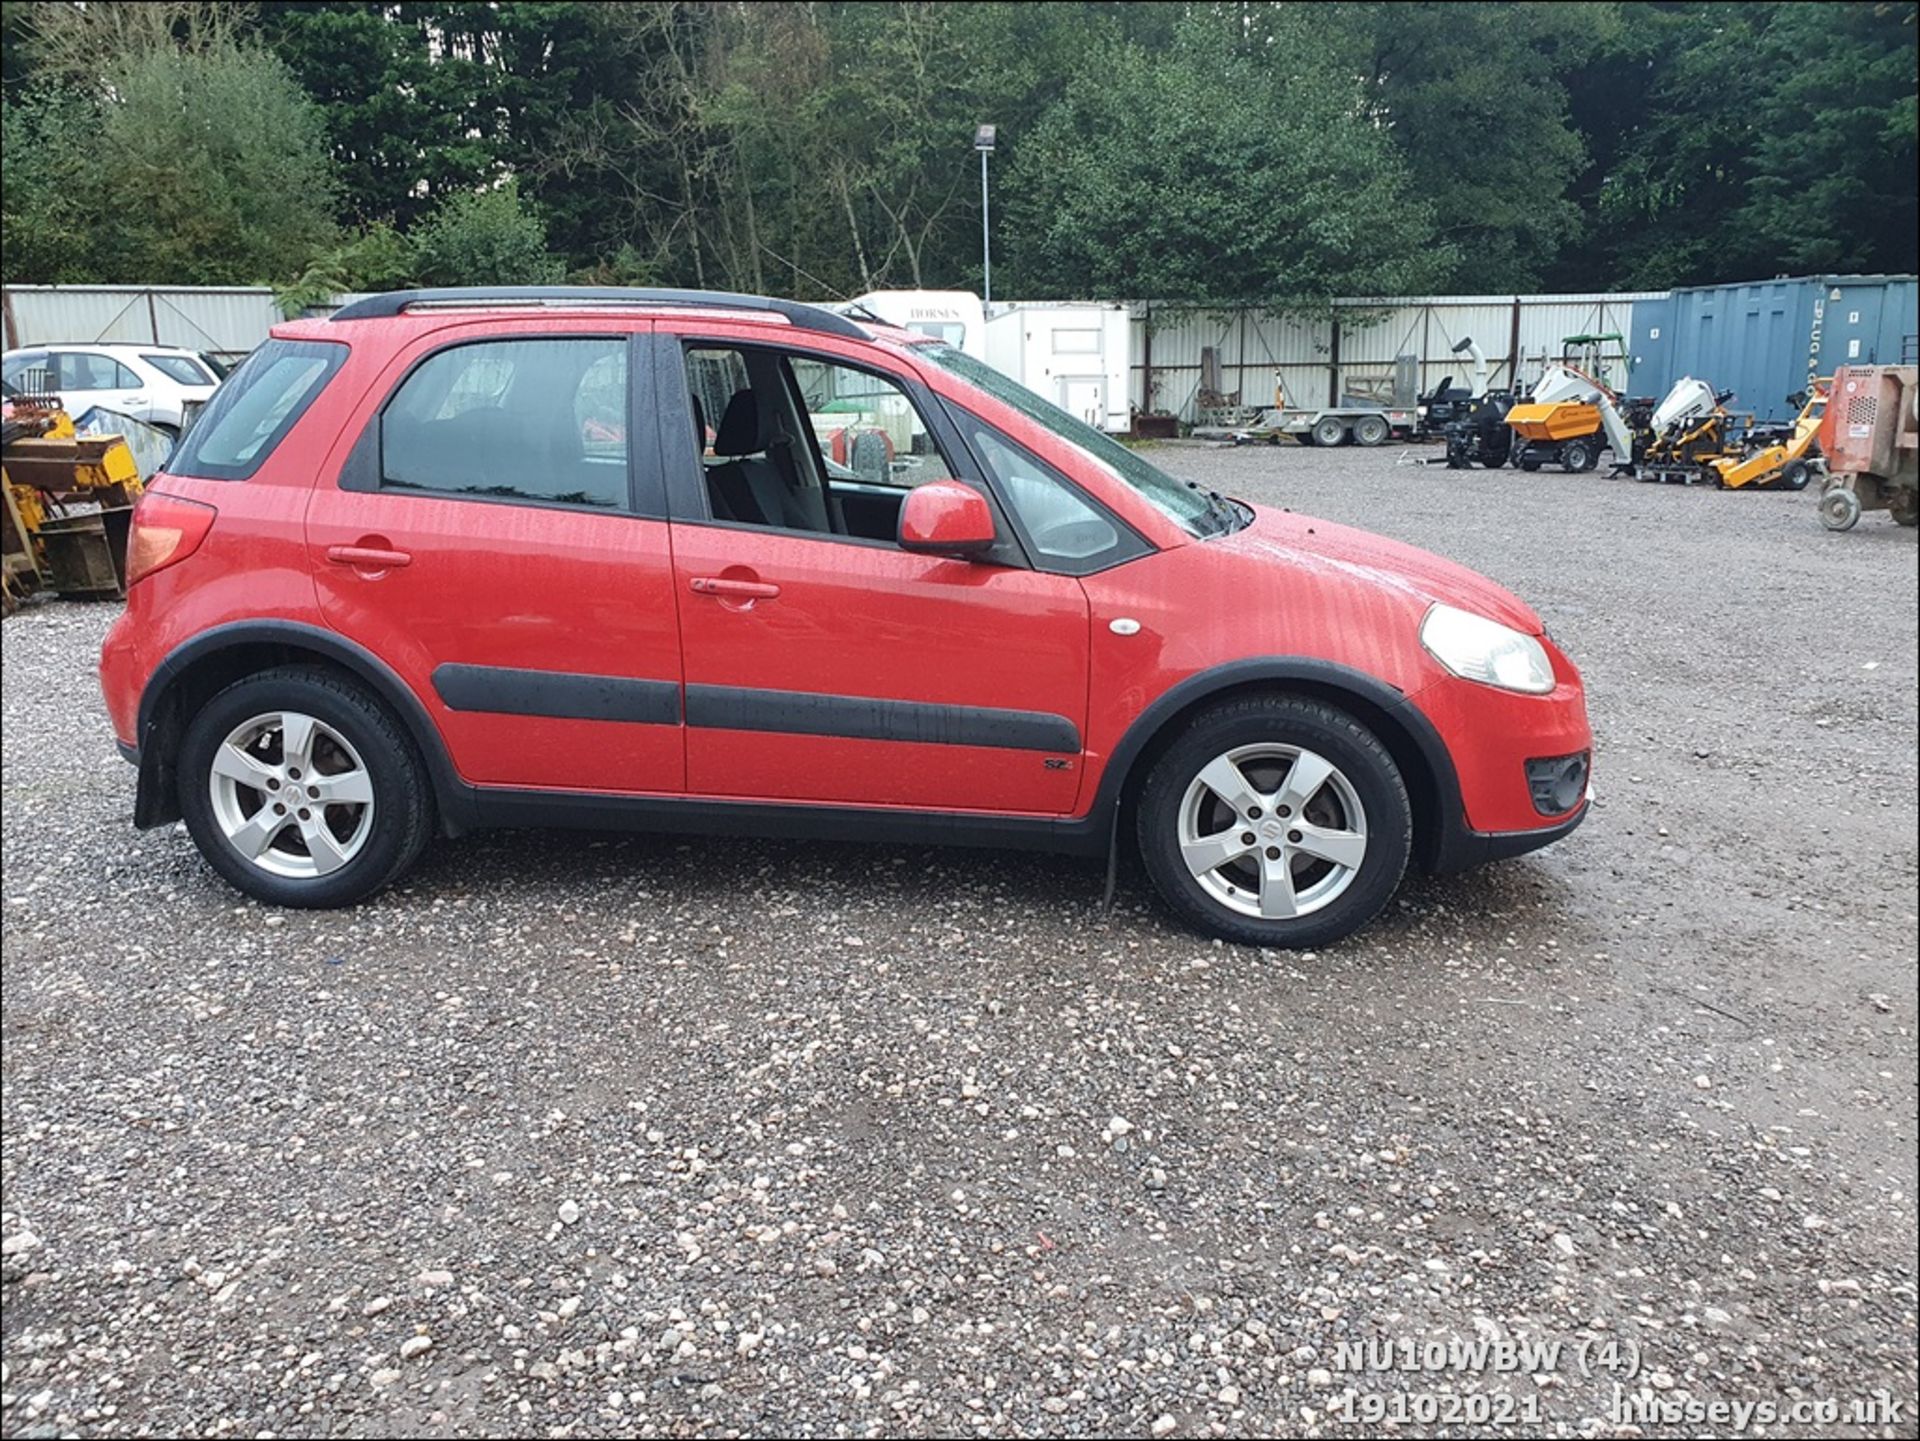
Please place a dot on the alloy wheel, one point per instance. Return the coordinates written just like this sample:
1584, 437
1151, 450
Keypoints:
1272, 831
291, 795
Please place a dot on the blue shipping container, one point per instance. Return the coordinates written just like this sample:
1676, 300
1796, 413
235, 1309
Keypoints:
1766, 339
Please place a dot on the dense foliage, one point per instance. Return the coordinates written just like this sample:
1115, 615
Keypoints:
1218, 152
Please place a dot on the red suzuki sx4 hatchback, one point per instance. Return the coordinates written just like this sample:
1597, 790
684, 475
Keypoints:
706, 562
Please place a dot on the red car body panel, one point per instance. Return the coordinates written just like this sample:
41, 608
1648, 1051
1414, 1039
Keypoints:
502, 586
954, 647
879, 622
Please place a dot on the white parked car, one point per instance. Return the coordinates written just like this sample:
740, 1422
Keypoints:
153, 383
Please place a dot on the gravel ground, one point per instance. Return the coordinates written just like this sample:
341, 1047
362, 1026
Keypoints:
577, 1136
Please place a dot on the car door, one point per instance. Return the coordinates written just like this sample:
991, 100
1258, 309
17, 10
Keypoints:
823, 662
85, 378
497, 537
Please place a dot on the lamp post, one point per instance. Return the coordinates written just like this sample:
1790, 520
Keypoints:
983, 138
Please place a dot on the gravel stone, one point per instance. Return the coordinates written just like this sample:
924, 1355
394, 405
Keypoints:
767, 1124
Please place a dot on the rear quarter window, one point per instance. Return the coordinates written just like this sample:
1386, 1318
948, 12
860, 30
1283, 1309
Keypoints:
250, 414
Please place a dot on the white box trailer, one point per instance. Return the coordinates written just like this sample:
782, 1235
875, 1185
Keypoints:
1075, 355
954, 316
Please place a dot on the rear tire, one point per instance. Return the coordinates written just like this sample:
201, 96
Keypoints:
1371, 430
1577, 456
1794, 475
1349, 802
257, 767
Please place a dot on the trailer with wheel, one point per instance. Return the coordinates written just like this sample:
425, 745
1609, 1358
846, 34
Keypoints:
1330, 425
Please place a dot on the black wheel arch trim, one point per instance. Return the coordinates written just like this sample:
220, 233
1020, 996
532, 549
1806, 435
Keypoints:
1445, 844
154, 804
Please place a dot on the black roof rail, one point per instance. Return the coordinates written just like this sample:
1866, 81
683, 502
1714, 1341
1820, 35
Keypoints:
797, 314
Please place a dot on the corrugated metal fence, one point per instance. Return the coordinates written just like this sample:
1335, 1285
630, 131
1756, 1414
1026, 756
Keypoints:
226, 321
1355, 348
1762, 339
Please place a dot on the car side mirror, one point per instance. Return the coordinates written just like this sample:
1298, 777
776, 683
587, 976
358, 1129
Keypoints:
946, 517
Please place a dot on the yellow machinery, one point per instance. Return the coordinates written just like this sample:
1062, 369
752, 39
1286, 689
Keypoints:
1779, 457
1569, 418
1679, 439
1566, 420
68, 503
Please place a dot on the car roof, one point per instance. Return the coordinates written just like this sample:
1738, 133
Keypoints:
427, 309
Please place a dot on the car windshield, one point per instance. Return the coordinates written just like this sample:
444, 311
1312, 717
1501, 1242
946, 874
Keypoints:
1198, 512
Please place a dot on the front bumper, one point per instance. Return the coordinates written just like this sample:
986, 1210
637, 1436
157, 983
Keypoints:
1504, 845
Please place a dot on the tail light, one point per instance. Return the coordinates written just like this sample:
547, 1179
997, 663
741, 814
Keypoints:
166, 529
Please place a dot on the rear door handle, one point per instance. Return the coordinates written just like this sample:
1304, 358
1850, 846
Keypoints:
744, 589
363, 557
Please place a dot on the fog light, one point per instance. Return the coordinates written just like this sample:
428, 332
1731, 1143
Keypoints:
1558, 783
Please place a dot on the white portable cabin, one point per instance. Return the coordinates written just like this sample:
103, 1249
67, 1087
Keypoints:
1075, 355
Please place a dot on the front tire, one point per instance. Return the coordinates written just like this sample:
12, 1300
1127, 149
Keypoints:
1320, 797
1840, 508
300, 789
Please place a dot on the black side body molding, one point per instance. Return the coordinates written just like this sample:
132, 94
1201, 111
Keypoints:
743, 708
563, 695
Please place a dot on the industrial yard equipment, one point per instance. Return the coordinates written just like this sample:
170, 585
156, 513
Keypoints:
1871, 438
1779, 457
1477, 433
69, 502
1680, 439
1569, 418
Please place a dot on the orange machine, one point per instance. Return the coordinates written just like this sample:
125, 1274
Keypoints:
1871, 439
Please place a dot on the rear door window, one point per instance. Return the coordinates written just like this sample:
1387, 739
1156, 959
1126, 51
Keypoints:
258, 405
77, 370
541, 421
181, 368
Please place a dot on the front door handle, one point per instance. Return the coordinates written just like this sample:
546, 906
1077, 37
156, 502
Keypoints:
737, 589
366, 557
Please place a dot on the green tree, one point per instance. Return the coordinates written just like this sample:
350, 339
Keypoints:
1472, 95
1141, 182
411, 98
194, 161
487, 238
1777, 138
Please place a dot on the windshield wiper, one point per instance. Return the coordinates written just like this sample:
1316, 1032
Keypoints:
1223, 512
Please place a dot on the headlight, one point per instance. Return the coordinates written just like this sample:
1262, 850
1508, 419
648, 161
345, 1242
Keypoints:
1475, 648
